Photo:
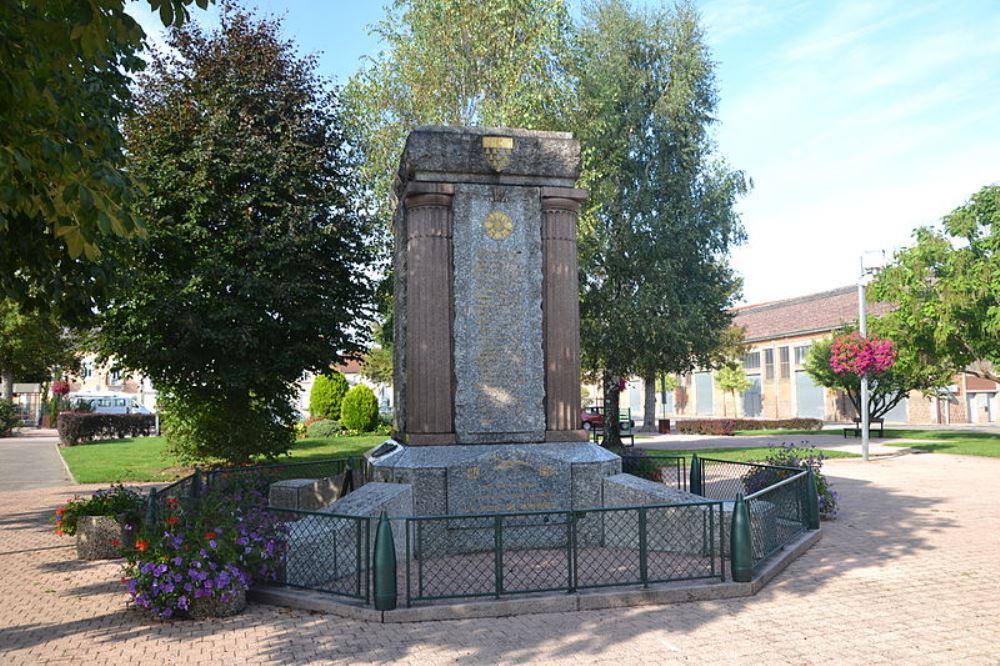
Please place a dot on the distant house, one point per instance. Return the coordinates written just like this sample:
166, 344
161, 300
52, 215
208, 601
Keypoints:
107, 378
780, 334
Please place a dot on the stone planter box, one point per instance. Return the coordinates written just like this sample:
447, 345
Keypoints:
96, 536
212, 607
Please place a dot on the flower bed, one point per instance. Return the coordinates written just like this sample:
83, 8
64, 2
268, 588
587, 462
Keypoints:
201, 557
101, 521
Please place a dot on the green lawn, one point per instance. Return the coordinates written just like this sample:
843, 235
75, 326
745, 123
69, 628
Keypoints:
739, 454
147, 458
950, 441
789, 431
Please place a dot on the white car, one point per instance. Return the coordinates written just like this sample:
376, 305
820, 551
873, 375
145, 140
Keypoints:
109, 403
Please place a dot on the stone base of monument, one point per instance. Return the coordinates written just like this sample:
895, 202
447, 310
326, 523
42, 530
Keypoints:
322, 550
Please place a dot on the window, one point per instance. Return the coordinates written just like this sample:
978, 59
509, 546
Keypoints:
115, 377
751, 361
768, 364
785, 366
800, 355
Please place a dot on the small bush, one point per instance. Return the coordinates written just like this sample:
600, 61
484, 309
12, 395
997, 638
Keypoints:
324, 428
8, 418
359, 410
327, 393
76, 427
730, 426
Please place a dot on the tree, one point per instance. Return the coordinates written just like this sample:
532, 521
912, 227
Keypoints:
326, 395
660, 220
360, 409
946, 290
64, 78
454, 62
887, 386
31, 345
732, 379
254, 269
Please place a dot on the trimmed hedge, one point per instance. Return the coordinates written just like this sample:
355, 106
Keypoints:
76, 427
324, 428
730, 426
359, 411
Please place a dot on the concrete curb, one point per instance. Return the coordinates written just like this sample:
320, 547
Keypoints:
666, 593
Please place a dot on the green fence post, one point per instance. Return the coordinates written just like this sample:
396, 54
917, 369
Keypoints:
643, 549
695, 482
812, 501
151, 503
740, 544
196, 483
385, 565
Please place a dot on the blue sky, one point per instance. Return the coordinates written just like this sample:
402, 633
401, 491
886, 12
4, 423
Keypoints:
857, 121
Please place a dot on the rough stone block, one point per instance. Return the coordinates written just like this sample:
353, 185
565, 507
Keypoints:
305, 494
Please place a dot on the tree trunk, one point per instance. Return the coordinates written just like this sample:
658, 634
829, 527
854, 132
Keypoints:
8, 384
649, 404
612, 435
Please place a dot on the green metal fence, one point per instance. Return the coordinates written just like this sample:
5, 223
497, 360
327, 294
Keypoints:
493, 555
656, 466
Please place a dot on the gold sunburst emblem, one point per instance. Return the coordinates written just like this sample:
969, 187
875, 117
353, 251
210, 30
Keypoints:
498, 225
498, 150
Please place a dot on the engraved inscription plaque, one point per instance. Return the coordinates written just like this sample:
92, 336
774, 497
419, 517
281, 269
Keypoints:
517, 479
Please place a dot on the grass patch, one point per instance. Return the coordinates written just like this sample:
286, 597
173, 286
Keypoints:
789, 431
742, 454
147, 458
950, 441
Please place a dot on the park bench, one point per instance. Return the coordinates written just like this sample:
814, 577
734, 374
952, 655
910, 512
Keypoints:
625, 428
856, 430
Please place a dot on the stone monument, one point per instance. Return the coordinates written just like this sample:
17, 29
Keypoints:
487, 362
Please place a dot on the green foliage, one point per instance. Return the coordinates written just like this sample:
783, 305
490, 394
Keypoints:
326, 395
324, 428
660, 220
8, 418
117, 501
732, 379
254, 266
946, 289
377, 365
454, 62
227, 428
31, 344
789, 455
76, 427
359, 411
64, 78
886, 389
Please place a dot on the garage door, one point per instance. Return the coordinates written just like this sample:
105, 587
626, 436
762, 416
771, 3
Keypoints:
703, 393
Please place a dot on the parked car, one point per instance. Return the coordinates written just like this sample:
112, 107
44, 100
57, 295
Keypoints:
109, 403
593, 417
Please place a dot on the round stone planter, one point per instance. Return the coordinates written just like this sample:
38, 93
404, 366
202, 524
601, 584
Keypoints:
97, 536
214, 607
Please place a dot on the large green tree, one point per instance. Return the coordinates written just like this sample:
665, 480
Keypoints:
946, 289
65, 68
454, 62
660, 220
32, 344
254, 269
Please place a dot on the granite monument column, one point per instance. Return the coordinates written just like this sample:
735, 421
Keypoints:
561, 313
428, 415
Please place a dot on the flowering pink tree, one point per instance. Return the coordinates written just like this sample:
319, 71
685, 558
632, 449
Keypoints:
858, 356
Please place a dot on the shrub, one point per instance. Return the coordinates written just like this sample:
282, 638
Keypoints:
789, 455
118, 501
213, 547
8, 418
730, 426
76, 427
235, 430
359, 410
327, 393
324, 428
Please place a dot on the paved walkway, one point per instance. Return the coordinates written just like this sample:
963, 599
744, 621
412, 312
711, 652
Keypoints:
907, 574
821, 440
31, 460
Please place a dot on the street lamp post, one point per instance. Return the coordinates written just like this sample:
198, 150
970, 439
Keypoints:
871, 263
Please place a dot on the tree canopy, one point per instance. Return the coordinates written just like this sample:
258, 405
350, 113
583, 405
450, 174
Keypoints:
660, 221
32, 344
254, 267
946, 290
65, 70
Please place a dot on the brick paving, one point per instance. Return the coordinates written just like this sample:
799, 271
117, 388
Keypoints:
908, 573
